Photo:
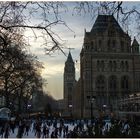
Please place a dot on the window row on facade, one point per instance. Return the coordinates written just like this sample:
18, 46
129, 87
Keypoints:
110, 46
113, 83
112, 65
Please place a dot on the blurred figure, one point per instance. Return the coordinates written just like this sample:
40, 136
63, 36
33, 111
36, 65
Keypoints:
27, 128
38, 129
2, 131
20, 129
6, 129
44, 131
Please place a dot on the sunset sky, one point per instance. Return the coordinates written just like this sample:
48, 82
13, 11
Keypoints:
54, 66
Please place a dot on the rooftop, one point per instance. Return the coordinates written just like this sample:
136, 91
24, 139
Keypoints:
103, 22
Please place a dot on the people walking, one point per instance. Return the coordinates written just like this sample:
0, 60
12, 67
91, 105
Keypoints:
2, 131
6, 129
27, 128
20, 129
44, 131
66, 129
38, 129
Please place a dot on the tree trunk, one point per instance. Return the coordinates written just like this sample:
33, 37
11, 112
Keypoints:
19, 101
6, 93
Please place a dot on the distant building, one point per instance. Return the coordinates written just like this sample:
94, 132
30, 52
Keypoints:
61, 107
69, 84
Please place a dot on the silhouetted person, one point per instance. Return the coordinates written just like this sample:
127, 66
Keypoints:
20, 129
2, 131
6, 130
44, 131
52, 135
38, 130
27, 128
12, 126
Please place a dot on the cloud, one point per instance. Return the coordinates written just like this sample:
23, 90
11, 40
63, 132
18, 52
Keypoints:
52, 70
54, 66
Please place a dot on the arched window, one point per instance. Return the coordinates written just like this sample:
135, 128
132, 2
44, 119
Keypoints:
110, 66
125, 83
102, 65
128, 50
126, 66
100, 45
122, 66
92, 45
100, 83
112, 83
114, 45
87, 47
108, 44
95, 45
139, 82
98, 65
114, 65
122, 46
137, 49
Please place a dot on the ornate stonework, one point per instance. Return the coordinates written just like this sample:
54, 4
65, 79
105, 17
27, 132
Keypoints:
110, 65
69, 83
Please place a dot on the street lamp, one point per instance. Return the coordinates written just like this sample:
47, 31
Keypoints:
91, 99
70, 107
28, 108
104, 108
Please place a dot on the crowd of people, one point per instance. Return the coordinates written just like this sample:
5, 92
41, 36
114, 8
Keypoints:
61, 128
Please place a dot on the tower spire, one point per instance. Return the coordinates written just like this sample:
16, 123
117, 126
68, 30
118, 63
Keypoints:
135, 42
69, 58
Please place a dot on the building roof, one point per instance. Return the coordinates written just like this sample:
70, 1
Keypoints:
103, 22
135, 42
69, 58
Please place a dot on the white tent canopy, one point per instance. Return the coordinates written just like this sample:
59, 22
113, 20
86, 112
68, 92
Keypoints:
5, 113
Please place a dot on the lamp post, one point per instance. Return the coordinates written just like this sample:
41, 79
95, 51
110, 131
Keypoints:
70, 107
91, 99
104, 109
28, 108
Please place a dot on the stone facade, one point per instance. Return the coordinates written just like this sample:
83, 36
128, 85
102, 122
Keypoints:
110, 65
77, 100
69, 84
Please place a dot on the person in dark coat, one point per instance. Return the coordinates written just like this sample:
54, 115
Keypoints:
44, 131
20, 129
6, 130
2, 131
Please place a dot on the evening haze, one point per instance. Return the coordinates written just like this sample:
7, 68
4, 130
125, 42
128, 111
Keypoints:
54, 65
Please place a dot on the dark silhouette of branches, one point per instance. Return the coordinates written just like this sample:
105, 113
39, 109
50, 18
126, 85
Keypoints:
124, 12
16, 17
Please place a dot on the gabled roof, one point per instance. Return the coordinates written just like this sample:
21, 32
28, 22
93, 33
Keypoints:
103, 22
135, 42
